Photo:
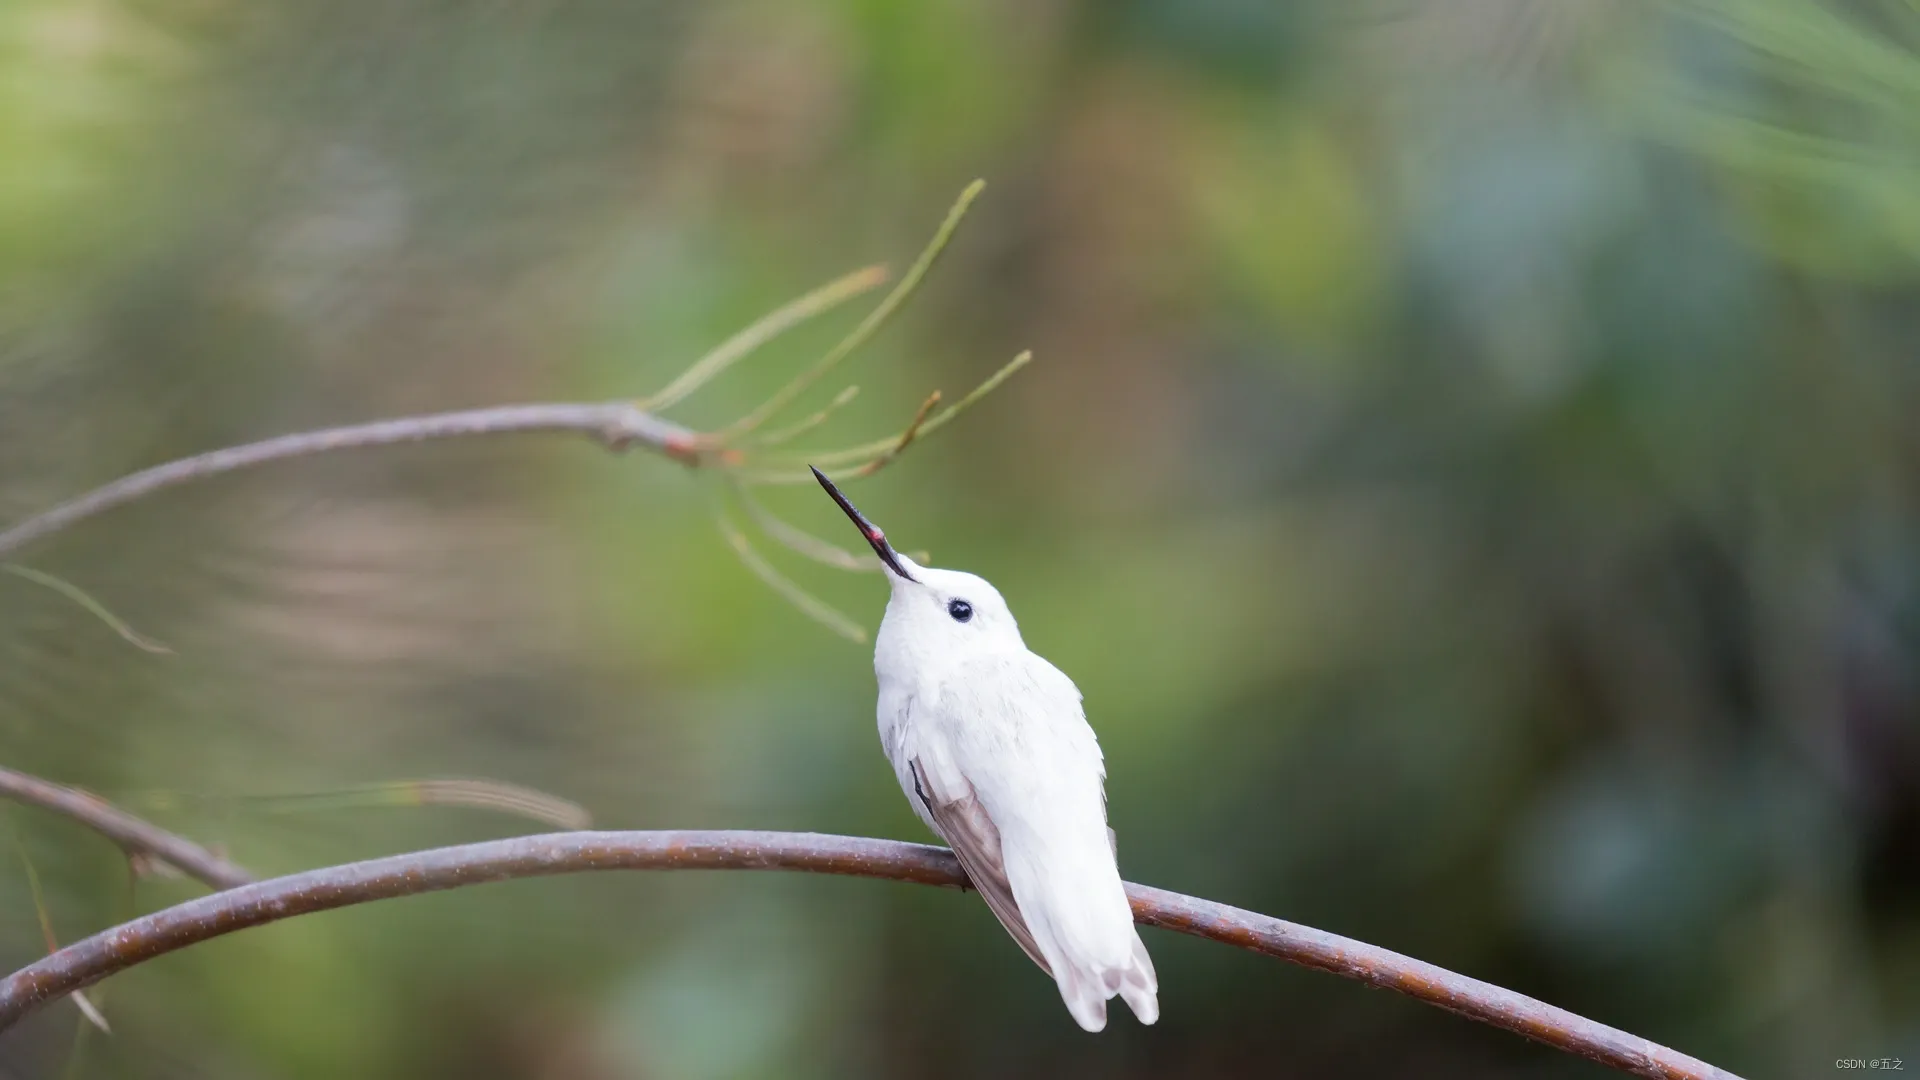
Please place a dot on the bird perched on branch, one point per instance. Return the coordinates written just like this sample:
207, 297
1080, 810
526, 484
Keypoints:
992, 747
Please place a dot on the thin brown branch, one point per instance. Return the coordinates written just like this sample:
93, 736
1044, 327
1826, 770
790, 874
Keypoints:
135, 836
615, 425
86, 962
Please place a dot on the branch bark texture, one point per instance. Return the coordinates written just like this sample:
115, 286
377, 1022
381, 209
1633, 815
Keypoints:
134, 835
86, 962
615, 425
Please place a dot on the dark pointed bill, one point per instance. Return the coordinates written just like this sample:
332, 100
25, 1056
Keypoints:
867, 528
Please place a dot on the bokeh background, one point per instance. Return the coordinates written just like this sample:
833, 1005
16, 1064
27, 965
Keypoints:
1470, 466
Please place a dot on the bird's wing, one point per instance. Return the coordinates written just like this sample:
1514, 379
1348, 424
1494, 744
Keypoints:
976, 841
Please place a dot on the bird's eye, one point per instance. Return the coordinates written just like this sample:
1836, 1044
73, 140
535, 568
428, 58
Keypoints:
960, 610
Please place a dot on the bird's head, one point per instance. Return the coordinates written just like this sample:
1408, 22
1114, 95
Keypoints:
946, 613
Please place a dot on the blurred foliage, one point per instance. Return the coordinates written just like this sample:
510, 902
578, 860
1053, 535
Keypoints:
1468, 465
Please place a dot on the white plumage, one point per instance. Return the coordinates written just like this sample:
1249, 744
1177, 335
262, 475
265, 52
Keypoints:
993, 749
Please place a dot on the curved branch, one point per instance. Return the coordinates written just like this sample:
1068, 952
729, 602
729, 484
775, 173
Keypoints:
131, 833
615, 425
86, 962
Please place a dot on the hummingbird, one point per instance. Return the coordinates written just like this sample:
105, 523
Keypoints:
991, 745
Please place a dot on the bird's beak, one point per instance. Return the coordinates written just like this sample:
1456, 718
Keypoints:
867, 528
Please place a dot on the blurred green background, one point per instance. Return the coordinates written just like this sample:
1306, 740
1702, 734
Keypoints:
1469, 465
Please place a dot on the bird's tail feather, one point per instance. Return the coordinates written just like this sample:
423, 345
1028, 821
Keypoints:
1140, 986
1073, 903
1086, 990
1086, 999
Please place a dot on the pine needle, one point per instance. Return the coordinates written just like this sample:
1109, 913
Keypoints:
480, 794
94, 607
775, 438
874, 320
809, 605
905, 440
46, 923
800, 541
765, 329
864, 455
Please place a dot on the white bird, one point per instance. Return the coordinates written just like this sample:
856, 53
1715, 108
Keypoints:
992, 748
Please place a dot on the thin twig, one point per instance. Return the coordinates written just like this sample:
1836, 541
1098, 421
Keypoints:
933, 423
810, 605
800, 541
86, 962
906, 438
134, 835
481, 794
874, 320
769, 326
93, 607
615, 425
39, 897
865, 453
795, 430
